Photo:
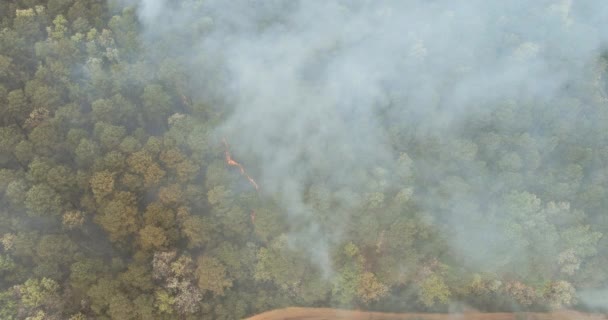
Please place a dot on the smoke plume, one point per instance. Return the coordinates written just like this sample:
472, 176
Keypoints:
319, 90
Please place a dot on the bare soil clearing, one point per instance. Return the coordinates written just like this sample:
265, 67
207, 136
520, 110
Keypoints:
338, 314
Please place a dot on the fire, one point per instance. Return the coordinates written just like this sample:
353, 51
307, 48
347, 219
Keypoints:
253, 183
233, 163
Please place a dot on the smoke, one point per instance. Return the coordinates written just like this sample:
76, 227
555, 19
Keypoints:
151, 10
316, 91
597, 299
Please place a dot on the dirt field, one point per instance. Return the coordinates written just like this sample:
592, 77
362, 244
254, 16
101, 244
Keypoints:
336, 314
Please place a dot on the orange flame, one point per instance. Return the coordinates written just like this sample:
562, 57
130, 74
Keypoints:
233, 163
253, 183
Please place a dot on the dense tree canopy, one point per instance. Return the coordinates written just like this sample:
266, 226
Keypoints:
118, 199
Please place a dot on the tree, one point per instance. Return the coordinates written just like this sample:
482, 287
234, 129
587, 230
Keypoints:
370, 289
42, 200
116, 110
141, 162
521, 293
6, 176
7, 264
354, 282
110, 136
56, 7
121, 307
157, 104
113, 161
119, 216
170, 195
433, 290
344, 289
62, 180
41, 95
129, 145
239, 261
178, 277
24, 151
9, 137
559, 294
188, 298
164, 302
86, 152
16, 192
60, 27
197, 230
35, 293
138, 276
153, 175
269, 223
211, 276
158, 215
28, 25
8, 305
78, 316
17, 106
101, 295
286, 268
84, 273
161, 264
102, 184
38, 169
234, 217
5, 71
144, 306
152, 238
18, 48
125, 28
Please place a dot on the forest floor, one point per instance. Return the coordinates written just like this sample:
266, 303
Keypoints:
337, 314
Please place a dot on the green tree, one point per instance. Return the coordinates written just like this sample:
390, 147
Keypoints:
288, 270
35, 293
86, 152
42, 200
157, 104
370, 289
144, 306
102, 184
84, 273
52, 254
17, 107
16, 192
211, 276
164, 302
152, 238
560, 294
433, 291
139, 277
125, 28
101, 293
28, 24
110, 136
9, 137
8, 305
197, 230
119, 216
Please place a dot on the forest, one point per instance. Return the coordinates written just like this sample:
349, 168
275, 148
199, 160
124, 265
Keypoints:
207, 159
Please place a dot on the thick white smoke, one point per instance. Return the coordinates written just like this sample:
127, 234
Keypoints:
312, 84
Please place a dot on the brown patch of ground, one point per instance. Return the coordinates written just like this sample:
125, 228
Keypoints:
338, 314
